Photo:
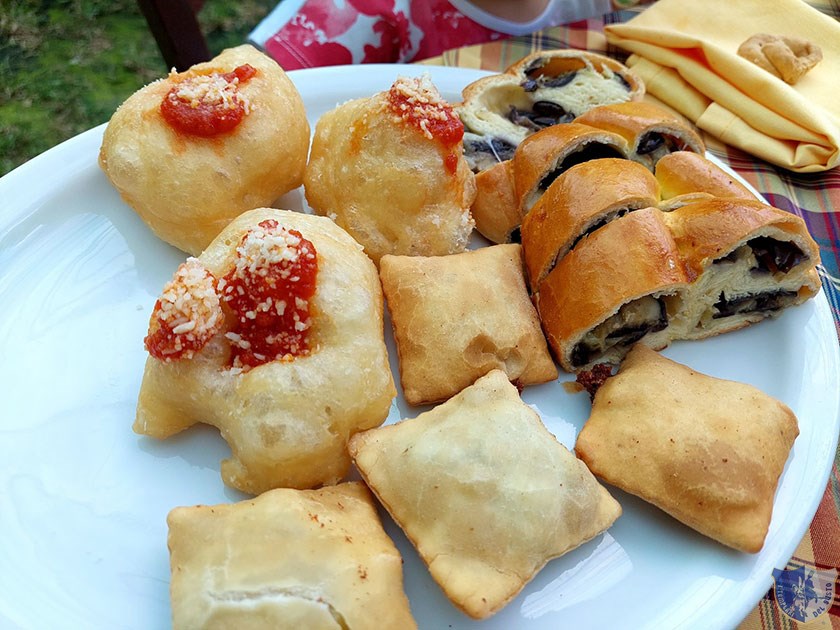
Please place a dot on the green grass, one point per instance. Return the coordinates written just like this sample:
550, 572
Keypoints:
65, 65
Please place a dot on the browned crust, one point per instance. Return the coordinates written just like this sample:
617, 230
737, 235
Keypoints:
684, 172
626, 259
577, 200
709, 229
557, 62
495, 209
632, 120
540, 153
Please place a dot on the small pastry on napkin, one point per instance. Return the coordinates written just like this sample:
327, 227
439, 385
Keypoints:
709, 452
688, 58
788, 58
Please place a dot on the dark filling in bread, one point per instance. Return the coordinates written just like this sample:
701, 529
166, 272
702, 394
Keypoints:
633, 321
766, 302
532, 84
653, 141
482, 154
544, 114
771, 255
615, 214
591, 151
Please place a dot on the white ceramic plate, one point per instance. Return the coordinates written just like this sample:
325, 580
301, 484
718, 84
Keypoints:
83, 500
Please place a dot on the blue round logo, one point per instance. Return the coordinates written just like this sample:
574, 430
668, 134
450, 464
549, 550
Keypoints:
804, 593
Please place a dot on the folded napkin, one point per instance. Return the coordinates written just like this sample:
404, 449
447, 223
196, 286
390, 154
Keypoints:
686, 52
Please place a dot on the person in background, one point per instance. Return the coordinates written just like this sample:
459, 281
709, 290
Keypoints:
310, 33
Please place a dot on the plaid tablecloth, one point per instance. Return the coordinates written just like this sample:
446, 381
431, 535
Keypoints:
814, 197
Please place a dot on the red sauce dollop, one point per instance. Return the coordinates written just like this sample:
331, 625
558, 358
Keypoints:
269, 291
432, 117
186, 315
207, 105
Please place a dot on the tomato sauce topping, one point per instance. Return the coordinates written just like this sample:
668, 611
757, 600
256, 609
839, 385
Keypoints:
207, 104
269, 290
186, 315
418, 102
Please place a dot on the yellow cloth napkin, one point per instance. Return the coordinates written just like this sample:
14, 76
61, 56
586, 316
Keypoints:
686, 52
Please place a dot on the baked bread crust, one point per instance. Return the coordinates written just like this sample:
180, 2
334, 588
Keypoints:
716, 264
396, 188
580, 199
686, 173
456, 318
495, 209
287, 422
709, 452
549, 152
187, 188
483, 491
630, 258
286, 559
651, 132
640, 132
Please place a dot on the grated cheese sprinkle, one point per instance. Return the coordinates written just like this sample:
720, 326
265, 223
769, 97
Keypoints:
187, 314
211, 90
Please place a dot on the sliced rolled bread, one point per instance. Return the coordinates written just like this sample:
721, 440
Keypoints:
706, 268
540, 90
637, 132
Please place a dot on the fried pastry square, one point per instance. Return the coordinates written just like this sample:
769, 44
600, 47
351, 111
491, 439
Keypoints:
484, 492
287, 559
709, 452
457, 317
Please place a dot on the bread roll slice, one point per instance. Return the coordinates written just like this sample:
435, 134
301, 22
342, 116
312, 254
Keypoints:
748, 261
542, 157
686, 173
495, 209
704, 269
580, 201
544, 89
651, 132
620, 285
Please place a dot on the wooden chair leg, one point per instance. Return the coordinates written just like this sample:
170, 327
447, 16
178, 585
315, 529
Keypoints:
174, 24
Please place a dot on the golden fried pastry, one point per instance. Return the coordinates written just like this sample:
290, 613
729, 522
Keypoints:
275, 336
788, 58
484, 492
545, 88
390, 170
706, 268
709, 452
192, 151
458, 317
288, 559
573, 207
